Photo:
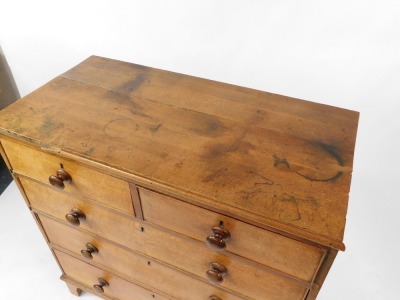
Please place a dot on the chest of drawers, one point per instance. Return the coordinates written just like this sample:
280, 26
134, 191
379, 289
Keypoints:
148, 184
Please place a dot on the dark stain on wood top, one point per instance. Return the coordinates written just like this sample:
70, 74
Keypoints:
280, 158
134, 84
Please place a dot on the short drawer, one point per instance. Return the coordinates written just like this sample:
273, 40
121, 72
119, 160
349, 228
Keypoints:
188, 255
88, 276
137, 267
86, 181
273, 250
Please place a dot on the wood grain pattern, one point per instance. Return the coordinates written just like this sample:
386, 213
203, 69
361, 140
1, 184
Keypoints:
157, 159
262, 109
85, 181
137, 267
88, 275
284, 160
295, 258
188, 255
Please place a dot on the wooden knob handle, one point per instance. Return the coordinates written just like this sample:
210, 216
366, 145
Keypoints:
217, 240
90, 249
100, 287
214, 298
216, 273
60, 178
75, 217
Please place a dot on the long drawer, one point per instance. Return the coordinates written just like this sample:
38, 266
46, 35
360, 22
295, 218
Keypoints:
243, 277
86, 181
276, 251
116, 287
137, 267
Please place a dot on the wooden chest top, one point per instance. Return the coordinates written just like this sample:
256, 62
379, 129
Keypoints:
280, 162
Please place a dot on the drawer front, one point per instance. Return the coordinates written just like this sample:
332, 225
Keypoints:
90, 183
243, 277
273, 250
89, 275
135, 266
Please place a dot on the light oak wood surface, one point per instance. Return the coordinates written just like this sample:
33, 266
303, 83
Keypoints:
85, 181
285, 161
273, 250
185, 188
88, 275
186, 254
138, 267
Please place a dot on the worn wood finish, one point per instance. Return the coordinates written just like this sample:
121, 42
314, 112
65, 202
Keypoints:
152, 184
276, 251
85, 181
88, 275
172, 249
138, 267
284, 160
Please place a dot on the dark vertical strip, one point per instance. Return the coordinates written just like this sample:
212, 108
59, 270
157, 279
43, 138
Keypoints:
8, 89
136, 201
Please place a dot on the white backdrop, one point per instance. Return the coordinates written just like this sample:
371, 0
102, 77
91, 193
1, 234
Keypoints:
341, 53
